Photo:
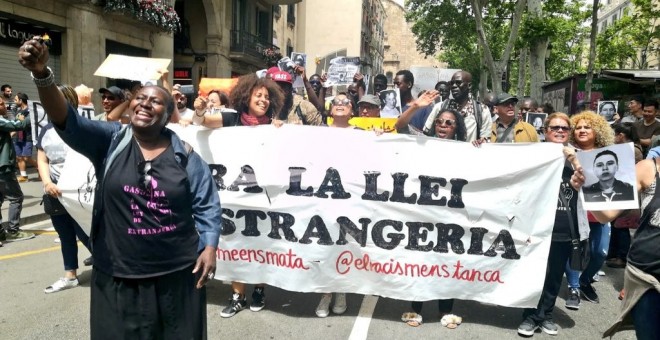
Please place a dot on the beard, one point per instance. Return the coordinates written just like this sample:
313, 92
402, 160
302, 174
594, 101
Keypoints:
288, 103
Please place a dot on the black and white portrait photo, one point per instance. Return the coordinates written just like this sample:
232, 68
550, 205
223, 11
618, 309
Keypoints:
298, 59
536, 119
610, 178
607, 109
390, 106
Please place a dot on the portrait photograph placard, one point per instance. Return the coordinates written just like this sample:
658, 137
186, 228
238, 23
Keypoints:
610, 178
390, 103
298, 59
608, 109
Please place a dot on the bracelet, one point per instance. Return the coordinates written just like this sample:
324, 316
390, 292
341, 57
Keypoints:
44, 82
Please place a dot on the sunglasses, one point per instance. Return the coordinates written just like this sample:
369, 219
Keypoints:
315, 82
144, 169
341, 102
449, 122
107, 97
557, 128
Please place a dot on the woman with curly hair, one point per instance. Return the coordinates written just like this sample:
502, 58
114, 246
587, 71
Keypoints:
257, 100
589, 131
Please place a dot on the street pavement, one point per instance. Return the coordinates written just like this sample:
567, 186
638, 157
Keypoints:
26, 312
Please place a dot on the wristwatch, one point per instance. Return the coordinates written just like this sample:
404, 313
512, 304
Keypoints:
44, 82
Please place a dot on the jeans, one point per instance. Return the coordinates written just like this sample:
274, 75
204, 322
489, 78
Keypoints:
559, 254
11, 190
646, 316
67, 228
599, 239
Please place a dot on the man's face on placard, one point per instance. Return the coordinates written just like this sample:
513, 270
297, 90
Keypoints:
605, 167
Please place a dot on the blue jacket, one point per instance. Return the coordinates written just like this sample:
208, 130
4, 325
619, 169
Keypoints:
101, 142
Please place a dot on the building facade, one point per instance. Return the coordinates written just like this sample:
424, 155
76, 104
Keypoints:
82, 36
400, 43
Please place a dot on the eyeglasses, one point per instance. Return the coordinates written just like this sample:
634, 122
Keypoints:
107, 97
557, 128
144, 169
315, 82
449, 122
341, 102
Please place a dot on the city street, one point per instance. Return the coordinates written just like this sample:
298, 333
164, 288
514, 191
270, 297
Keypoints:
27, 267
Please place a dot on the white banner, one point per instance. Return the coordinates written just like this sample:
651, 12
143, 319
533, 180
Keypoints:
317, 209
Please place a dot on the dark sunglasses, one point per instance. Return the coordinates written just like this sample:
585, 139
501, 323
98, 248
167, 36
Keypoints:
107, 97
315, 82
144, 169
449, 122
557, 128
342, 102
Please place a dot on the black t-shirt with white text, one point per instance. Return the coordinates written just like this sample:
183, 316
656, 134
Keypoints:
147, 227
561, 231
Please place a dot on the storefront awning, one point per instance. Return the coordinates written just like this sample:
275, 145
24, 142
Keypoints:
641, 77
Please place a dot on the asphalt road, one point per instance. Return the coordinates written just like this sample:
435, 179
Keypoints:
26, 312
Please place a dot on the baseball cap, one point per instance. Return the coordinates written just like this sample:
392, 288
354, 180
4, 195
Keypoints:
369, 99
114, 90
282, 76
505, 97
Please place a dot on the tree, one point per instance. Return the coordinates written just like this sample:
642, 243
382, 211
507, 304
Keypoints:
630, 41
592, 51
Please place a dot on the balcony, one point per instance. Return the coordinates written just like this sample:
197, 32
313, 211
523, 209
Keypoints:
248, 47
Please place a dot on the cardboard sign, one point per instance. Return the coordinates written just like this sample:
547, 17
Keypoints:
119, 66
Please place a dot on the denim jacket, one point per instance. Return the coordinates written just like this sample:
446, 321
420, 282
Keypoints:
101, 142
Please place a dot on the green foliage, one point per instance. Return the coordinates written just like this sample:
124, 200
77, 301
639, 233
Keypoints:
621, 45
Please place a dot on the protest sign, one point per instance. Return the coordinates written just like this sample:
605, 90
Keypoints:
390, 103
119, 66
370, 123
380, 215
608, 109
610, 178
298, 59
225, 85
342, 70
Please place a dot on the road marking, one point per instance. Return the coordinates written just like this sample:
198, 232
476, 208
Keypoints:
27, 253
361, 325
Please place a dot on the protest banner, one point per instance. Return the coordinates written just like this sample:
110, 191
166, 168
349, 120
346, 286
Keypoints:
119, 66
370, 123
342, 70
398, 216
610, 178
206, 85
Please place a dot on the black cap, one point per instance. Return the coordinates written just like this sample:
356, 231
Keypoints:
505, 97
114, 90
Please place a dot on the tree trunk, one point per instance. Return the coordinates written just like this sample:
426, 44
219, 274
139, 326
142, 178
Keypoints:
483, 83
592, 53
537, 54
496, 69
522, 72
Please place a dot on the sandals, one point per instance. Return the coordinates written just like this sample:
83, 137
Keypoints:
412, 319
451, 321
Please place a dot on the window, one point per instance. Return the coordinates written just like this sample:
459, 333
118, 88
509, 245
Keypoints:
289, 48
390, 77
239, 22
614, 18
264, 26
291, 14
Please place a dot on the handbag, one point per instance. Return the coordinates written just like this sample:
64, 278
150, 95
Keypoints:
580, 250
52, 205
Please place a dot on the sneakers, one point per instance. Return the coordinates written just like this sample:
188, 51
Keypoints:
236, 304
616, 263
323, 309
589, 293
19, 235
549, 327
88, 261
61, 284
340, 303
573, 300
527, 327
258, 299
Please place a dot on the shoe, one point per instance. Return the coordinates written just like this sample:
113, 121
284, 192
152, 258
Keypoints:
573, 300
549, 327
61, 284
88, 261
236, 304
527, 327
616, 263
323, 309
19, 235
340, 303
258, 299
589, 293
595, 278
22, 179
